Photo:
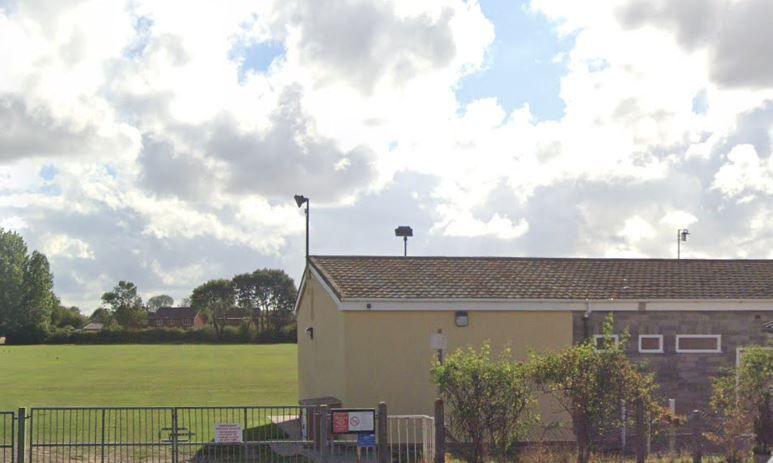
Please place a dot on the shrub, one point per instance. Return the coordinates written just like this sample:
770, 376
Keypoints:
741, 401
591, 385
207, 334
489, 399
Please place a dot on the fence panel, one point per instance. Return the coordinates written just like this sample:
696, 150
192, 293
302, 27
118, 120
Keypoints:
7, 437
99, 435
411, 438
268, 434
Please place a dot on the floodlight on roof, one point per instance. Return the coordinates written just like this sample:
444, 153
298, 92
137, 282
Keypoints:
404, 231
300, 200
681, 235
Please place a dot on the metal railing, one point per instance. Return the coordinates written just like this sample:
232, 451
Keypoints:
167, 434
238, 434
411, 438
7, 437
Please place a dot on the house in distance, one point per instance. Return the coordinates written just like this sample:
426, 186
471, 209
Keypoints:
370, 327
177, 317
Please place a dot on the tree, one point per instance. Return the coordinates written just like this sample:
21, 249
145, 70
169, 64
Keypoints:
591, 384
489, 401
162, 300
62, 317
26, 290
214, 298
742, 401
269, 295
103, 316
126, 305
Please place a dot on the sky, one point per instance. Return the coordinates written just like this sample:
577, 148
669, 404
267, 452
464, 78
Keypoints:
162, 142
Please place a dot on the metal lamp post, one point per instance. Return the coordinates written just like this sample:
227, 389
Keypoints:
681, 235
300, 200
404, 231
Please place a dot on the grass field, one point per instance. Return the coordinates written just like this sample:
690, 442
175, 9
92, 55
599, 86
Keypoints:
148, 375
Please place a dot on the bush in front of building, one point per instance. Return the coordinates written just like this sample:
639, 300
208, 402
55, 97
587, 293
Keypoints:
490, 402
591, 383
741, 401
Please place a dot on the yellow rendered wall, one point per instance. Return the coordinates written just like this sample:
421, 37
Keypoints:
320, 360
388, 354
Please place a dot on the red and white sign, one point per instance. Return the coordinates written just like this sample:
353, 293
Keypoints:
226, 433
353, 421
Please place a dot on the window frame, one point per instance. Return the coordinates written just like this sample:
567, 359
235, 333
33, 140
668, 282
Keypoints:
605, 336
651, 351
718, 350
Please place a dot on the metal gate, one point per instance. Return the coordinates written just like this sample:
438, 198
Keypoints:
7, 437
239, 434
167, 434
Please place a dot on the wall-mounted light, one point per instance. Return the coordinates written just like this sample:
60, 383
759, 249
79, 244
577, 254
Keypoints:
310, 332
462, 319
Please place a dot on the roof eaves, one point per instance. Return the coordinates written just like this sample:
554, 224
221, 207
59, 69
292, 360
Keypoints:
326, 278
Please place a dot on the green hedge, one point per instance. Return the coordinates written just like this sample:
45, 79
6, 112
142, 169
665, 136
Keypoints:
206, 335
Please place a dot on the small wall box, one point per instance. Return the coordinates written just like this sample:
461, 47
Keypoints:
462, 319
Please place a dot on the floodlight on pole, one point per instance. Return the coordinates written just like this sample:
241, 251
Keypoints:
681, 235
404, 231
300, 200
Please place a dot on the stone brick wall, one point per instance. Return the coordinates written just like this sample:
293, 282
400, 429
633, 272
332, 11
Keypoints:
685, 377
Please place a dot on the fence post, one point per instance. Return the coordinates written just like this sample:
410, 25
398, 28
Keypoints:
641, 432
174, 435
102, 442
21, 422
323, 432
697, 436
383, 438
440, 432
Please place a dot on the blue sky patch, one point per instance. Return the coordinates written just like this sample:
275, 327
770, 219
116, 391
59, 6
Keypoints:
521, 64
257, 56
48, 172
700, 102
142, 27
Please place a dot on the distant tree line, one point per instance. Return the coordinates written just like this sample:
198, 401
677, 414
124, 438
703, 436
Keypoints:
250, 307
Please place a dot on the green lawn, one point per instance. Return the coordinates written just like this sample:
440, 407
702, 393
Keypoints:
137, 375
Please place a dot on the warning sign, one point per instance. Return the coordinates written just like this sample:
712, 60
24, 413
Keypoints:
351, 421
227, 433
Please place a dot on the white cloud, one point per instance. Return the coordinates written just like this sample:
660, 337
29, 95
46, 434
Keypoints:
744, 172
58, 245
164, 147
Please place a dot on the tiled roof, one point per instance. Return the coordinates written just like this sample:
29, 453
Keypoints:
544, 278
176, 313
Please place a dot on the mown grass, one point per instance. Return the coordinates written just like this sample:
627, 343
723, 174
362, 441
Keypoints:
145, 375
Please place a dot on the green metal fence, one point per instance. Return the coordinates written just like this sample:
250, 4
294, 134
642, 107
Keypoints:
7, 437
238, 434
249, 434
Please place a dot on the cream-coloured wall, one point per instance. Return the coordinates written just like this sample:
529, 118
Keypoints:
320, 360
388, 354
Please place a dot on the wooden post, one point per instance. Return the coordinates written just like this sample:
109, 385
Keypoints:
382, 436
672, 428
623, 434
323, 431
440, 432
641, 433
697, 437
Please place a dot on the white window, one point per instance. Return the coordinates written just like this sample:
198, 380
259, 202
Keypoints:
698, 343
651, 343
601, 341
